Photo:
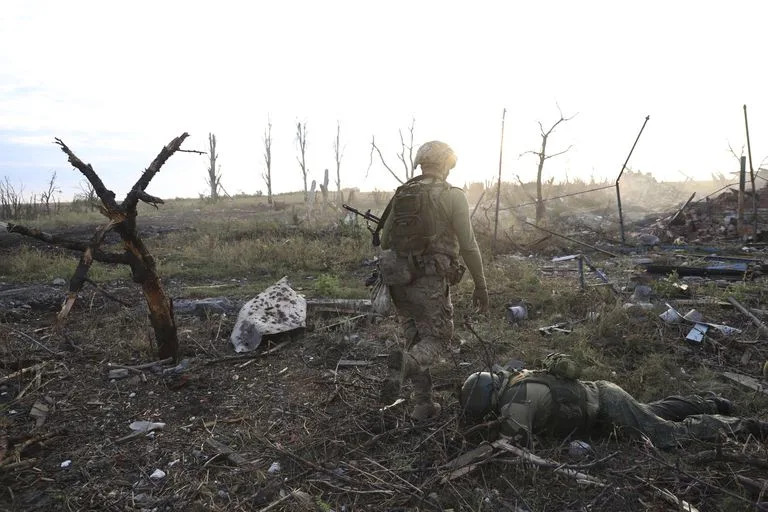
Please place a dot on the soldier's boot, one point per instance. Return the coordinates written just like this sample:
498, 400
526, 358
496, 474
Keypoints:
401, 366
425, 408
721, 405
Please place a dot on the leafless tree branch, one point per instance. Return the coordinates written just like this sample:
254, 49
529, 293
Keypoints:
374, 147
559, 153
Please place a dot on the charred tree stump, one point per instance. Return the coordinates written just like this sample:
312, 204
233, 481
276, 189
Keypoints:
122, 219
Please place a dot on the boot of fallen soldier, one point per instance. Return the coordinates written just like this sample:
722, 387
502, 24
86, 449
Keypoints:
425, 408
400, 366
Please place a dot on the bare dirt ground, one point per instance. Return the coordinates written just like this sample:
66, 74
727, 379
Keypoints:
298, 426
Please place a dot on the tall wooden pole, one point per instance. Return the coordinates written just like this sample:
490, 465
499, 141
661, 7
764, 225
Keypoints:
751, 175
498, 185
618, 191
742, 184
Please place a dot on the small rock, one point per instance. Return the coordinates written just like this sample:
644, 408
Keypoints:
66, 464
274, 467
642, 293
578, 449
59, 282
157, 474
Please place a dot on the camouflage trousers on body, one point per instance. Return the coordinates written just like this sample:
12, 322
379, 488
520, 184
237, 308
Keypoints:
696, 415
426, 313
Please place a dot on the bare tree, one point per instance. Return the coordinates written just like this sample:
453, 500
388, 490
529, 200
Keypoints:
47, 195
88, 195
214, 177
122, 219
407, 162
301, 144
405, 155
268, 159
543, 157
339, 153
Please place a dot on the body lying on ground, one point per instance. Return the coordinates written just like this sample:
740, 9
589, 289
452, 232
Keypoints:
546, 404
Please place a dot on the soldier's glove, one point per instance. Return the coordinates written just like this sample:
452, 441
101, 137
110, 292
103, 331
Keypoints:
480, 299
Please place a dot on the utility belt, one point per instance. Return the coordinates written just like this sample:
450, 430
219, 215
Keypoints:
401, 270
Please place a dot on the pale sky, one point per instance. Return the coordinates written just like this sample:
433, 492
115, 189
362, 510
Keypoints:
117, 81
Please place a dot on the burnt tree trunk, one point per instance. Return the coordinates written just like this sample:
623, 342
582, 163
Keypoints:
122, 219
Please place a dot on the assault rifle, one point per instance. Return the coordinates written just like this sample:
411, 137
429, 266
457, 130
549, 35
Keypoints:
367, 215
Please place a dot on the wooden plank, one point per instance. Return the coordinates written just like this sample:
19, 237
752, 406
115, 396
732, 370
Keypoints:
747, 381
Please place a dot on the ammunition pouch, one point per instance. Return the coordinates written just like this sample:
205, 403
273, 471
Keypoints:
395, 270
445, 266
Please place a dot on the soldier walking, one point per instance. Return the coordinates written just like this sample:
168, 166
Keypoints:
424, 230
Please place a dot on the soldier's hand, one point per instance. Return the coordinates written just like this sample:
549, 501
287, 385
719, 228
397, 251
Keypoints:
480, 299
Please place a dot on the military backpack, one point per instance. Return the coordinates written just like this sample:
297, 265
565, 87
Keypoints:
418, 217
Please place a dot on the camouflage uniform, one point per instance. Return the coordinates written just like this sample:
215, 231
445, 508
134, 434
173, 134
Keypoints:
532, 403
424, 304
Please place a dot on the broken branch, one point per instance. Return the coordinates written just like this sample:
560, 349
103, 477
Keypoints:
107, 196
72, 245
133, 196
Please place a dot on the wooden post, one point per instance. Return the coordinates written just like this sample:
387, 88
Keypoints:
751, 176
498, 185
618, 178
742, 182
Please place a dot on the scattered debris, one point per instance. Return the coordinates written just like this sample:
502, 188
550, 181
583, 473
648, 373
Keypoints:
516, 313
761, 328
746, 380
118, 373
697, 333
277, 309
551, 329
182, 367
336, 306
157, 474
349, 362
393, 404
146, 426
579, 449
39, 411
225, 451
204, 307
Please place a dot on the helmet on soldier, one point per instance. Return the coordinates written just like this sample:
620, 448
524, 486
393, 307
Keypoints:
479, 394
436, 158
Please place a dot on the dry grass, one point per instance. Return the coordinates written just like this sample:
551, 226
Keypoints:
320, 420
